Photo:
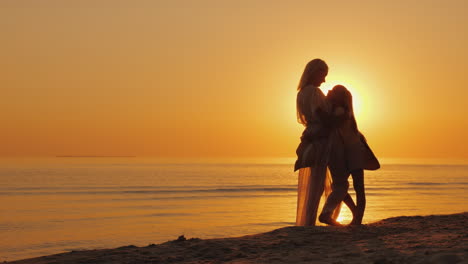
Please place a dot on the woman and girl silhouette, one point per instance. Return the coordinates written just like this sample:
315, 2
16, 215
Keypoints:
330, 144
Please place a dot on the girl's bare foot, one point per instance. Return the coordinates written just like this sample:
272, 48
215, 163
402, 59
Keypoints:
355, 223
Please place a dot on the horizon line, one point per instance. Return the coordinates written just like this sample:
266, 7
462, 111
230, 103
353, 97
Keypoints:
93, 156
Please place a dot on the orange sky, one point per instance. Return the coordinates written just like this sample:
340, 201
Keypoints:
218, 78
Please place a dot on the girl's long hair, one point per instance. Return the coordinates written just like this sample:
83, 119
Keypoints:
307, 77
345, 99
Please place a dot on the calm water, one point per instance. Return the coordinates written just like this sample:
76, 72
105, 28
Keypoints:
61, 204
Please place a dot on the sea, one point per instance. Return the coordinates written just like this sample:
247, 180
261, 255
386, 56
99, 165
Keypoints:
60, 204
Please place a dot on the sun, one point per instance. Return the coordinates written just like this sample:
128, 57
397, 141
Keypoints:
286, 99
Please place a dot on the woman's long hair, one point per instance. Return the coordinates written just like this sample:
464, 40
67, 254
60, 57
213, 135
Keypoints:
310, 72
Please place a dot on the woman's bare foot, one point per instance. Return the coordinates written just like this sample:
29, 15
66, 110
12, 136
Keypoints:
328, 220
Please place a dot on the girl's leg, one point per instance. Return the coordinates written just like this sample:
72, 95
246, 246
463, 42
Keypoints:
358, 183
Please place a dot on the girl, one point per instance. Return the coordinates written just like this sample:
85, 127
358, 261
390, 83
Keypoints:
358, 154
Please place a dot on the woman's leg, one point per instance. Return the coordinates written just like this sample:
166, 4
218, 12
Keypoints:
310, 189
358, 183
339, 174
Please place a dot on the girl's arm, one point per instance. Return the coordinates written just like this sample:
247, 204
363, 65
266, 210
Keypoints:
330, 120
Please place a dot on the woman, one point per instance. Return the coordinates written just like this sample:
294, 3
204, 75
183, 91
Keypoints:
316, 142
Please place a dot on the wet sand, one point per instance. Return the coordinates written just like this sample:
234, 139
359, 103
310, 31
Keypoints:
414, 239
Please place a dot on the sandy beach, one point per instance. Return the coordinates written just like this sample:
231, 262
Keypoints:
413, 239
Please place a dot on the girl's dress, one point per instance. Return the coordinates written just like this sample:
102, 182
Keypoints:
358, 154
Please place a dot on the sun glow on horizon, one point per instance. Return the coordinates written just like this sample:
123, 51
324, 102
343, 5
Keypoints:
135, 86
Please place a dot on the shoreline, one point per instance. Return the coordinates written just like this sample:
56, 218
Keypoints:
403, 239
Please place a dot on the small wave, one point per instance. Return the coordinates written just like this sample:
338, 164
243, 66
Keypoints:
231, 190
168, 214
273, 224
437, 183
91, 191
